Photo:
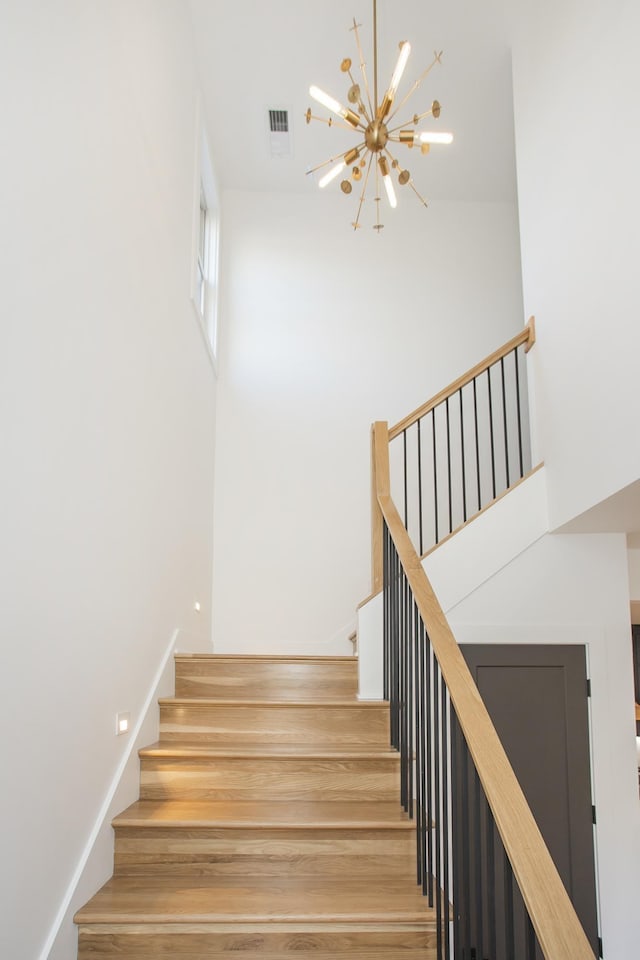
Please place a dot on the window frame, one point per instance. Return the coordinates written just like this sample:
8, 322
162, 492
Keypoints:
205, 243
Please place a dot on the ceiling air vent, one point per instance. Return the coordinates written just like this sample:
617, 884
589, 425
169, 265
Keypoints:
279, 134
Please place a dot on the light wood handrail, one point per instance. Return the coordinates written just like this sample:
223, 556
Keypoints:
554, 919
527, 336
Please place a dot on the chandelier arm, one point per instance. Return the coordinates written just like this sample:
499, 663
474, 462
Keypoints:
362, 66
415, 119
356, 223
361, 107
418, 195
338, 156
420, 116
394, 162
331, 122
421, 78
378, 226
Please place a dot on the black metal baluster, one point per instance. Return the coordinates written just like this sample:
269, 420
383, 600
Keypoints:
391, 615
509, 931
475, 418
515, 356
419, 426
427, 695
504, 420
410, 704
437, 750
385, 613
445, 818
393, 663
491, 882
424, 769
446, 403
464, 477
477, 839
401, 702
405, 685
435, 471
456, 821
465, 880
530, 938
419, 748
493, 452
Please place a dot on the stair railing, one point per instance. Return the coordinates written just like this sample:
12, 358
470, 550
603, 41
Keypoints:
481, 858
460, 451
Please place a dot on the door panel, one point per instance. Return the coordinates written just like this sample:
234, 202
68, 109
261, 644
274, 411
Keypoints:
536, 695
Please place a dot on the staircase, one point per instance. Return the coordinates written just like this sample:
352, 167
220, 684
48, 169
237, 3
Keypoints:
268, 825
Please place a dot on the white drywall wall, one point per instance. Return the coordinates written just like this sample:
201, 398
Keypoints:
576, 78
326, 330
106, 416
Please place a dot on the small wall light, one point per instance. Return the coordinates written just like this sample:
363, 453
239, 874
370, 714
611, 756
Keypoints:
123, 722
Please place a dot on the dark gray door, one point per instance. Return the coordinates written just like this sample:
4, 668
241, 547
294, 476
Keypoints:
536, 695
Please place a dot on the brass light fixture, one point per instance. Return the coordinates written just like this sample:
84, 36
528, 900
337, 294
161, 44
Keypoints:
371, 158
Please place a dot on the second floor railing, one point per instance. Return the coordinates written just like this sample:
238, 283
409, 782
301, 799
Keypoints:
462, 449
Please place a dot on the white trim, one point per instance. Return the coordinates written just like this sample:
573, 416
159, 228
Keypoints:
104, 809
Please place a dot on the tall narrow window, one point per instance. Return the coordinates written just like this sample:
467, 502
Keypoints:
203, 252
205, 246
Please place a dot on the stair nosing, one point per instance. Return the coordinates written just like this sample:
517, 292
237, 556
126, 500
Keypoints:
265, 657
232, 702
201, 750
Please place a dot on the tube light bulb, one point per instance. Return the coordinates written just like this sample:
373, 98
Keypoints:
391, 193
388, 183
334, 106
428, 136
385, 106
405, 50
326, 100
332, 174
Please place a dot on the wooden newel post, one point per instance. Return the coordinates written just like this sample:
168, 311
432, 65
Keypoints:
379, 485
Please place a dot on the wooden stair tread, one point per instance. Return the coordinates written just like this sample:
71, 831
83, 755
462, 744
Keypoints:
319, 815
249, 900
295, 750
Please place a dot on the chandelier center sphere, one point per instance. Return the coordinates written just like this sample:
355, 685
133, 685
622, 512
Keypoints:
376, 136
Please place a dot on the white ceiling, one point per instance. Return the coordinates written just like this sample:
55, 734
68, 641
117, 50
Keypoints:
257, 54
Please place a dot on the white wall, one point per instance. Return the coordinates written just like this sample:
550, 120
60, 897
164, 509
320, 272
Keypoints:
325, 331
576, 78
106, 416
573, 589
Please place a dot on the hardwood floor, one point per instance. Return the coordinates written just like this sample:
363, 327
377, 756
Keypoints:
268, 825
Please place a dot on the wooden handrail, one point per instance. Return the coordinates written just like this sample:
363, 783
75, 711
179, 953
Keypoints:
527, 336
554, 919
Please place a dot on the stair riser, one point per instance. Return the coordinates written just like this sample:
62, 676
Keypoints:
268, 680
274, 779
255, 852
312, 945
275, 723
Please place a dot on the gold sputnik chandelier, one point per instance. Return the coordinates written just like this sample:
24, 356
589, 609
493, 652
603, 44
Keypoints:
371, 159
